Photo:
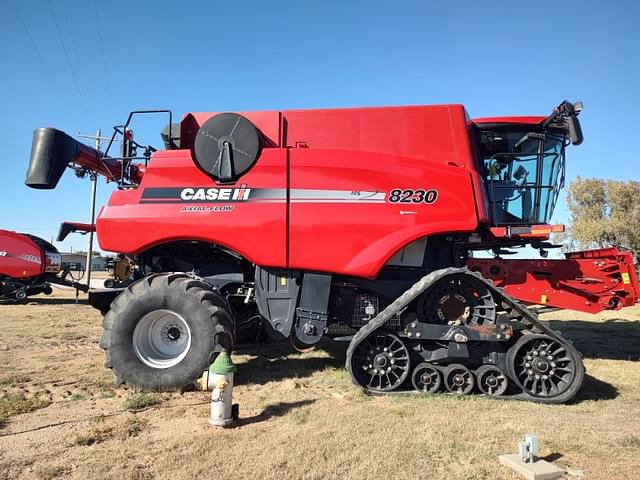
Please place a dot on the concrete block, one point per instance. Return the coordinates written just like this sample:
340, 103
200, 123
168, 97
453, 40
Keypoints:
538, 470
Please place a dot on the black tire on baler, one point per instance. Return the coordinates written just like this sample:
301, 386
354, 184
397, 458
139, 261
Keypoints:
163, 331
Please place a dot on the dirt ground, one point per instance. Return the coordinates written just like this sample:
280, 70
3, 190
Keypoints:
61, 417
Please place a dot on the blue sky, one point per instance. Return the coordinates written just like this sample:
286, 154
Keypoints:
80, 65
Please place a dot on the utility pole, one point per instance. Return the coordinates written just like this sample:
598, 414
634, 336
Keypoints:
92, 214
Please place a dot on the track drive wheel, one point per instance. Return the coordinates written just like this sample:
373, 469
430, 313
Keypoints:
491, 380
546, 369
457, 299
459, 379
426, 378
381, 362
163, 331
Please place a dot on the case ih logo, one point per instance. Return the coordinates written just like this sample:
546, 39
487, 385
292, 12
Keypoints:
232, 194
195, 195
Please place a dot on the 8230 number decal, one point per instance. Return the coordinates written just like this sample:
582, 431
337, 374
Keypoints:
409, 195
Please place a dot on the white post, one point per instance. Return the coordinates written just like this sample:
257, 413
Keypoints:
92, 214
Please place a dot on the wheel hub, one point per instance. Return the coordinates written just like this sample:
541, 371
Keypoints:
540, 365
161, 339
381, 361
426, 379
173, 333
491, 381
459, 299
453, 307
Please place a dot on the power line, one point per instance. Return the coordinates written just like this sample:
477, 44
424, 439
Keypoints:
66, 54
83, 78
44, 65
104, 65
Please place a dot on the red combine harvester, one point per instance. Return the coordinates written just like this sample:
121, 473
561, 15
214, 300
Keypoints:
358, 224
29, 265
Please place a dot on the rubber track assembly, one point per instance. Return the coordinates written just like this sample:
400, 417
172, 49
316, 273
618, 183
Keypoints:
514, 356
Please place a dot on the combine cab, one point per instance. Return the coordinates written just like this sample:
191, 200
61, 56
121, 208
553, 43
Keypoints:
358, 224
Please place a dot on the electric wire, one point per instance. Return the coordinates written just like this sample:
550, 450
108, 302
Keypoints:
82, 76
66, 54
104, 65
43, 63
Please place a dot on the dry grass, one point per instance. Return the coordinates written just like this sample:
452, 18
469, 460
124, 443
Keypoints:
142, 400
300, 417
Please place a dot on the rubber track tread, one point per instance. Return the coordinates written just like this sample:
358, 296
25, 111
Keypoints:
529, 319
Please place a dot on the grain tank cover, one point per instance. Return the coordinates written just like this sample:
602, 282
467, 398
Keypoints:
226, 146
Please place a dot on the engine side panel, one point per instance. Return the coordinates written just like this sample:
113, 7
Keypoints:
347, 217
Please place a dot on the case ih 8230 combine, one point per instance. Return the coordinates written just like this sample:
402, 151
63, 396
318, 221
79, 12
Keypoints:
352, 223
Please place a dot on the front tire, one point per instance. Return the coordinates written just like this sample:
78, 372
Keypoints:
163, 331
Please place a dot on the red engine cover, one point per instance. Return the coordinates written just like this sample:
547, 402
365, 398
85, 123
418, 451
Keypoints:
333, 190
20, 256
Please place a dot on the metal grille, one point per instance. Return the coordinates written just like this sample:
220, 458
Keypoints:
366, 307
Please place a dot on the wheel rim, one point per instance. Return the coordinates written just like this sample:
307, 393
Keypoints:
542, 366
426, 378
381, 362
491, 380
459, 379
161, 339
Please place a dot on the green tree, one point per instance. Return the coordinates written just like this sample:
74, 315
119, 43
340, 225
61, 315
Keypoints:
605, 212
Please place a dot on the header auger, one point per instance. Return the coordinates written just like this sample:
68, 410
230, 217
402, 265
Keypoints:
359, 224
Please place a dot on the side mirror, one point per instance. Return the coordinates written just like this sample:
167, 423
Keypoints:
575, 130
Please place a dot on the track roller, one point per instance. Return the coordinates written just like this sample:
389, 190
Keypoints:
459, 379
426, 378
491, 380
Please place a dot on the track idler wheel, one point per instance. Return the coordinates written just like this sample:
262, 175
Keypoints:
426, 378
381, 362
491, 380
546, 369
459, 379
